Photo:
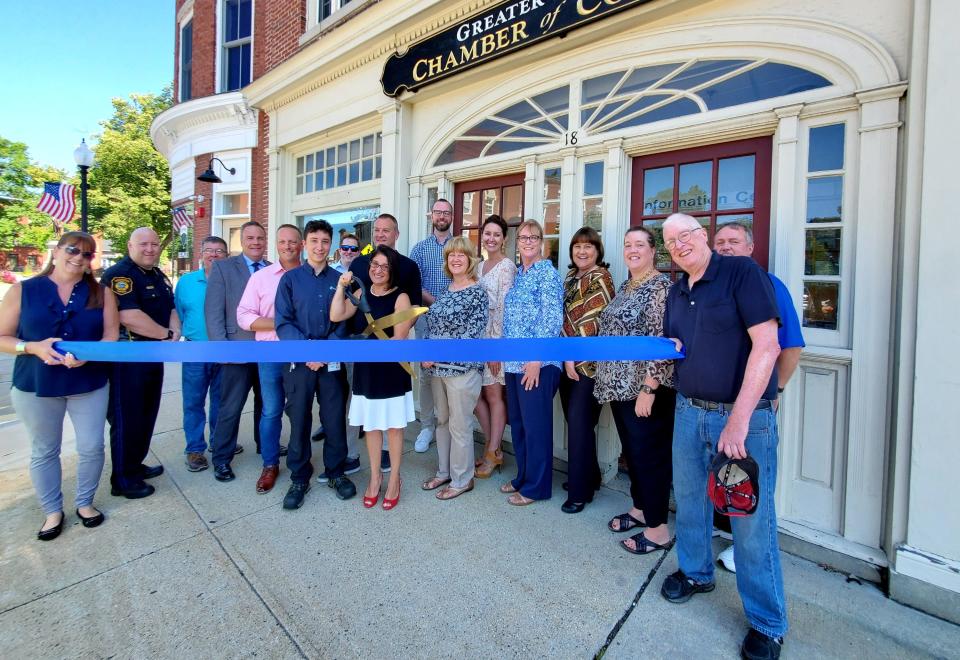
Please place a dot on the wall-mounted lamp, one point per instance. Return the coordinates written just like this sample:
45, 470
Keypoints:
210, 177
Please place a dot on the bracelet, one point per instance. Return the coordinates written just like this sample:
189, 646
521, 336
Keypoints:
646, 389
20, 347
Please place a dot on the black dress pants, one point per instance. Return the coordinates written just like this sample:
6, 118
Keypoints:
236, 381
300, 387
582, 413
648, 445
135, 391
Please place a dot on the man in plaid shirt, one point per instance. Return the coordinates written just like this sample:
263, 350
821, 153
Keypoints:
428, 255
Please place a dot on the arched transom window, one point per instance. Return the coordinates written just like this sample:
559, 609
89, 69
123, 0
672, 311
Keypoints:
633, 97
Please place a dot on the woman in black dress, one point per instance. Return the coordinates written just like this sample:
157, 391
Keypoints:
382, 393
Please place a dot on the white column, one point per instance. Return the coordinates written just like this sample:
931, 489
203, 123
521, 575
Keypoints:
531, 196
616, 207
396, 165
872, 311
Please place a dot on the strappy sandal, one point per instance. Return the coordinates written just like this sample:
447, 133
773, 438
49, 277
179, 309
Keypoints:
508, 488
434, 483
644, 546
626, 522
519, 500
450, 492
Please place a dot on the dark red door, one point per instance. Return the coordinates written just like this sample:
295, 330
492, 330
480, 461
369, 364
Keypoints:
475, 200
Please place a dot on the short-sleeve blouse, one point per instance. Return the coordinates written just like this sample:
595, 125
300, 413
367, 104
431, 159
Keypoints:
636, 311
458, 314
584, 298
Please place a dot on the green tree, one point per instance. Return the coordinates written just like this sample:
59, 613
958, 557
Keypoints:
130, 180
21, 183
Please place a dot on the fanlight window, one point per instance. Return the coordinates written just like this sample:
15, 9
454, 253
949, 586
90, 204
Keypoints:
624, 99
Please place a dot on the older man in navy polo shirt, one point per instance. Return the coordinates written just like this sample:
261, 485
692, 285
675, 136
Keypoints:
724, 312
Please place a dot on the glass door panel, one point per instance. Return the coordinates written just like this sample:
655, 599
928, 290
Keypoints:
477, 200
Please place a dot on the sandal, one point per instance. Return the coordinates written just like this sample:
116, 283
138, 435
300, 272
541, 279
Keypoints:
434, 483
644, 546
625, 523
519, 500
508, 488
450, 492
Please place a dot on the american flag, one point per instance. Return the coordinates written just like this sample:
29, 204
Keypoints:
181, 220
57, 202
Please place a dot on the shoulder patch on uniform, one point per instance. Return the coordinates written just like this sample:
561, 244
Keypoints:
121, 285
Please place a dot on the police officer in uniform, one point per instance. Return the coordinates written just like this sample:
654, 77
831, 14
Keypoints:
145, 300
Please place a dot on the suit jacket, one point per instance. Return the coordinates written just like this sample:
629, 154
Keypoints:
228, 278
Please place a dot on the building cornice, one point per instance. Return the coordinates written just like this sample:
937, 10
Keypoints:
228, 111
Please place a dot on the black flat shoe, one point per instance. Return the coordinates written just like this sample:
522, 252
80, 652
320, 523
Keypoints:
150, 471
91, 522
53, 532
223, 473
573, 507
134, 492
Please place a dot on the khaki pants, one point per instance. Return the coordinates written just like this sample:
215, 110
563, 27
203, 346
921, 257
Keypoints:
454, 398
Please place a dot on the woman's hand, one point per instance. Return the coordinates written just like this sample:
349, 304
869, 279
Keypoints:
345, 280
644, 404
71, 362
571, 370
426, 365
45, 351
314, 366
494, 368
531, 375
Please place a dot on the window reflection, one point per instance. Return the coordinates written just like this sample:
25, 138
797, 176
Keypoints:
820, 303
825, 199
696, 180
658, 191
822, 255
735, 182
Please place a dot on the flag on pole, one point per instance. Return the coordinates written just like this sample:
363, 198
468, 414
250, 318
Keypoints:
181, 221
57, 202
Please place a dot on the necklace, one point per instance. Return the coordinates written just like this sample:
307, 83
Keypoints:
633, 284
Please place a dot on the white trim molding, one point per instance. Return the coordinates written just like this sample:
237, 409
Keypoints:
204, 125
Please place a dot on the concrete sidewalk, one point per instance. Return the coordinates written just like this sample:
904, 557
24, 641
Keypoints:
204, 569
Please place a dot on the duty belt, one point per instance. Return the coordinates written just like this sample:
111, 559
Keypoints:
762, 404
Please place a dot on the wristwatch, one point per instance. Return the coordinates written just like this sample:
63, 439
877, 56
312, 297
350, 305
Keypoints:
20, 347
169, 333
646, 389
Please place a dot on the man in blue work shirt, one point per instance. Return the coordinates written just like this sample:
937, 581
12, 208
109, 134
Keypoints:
428, 255
302, 311
198, 378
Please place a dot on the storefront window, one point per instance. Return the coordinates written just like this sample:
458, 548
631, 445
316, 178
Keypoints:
358, 221
824, 216
550, 216
592, 204
356, 161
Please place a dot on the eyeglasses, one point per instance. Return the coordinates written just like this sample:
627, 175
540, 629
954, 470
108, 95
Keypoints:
217, 251
378, 266
349, 248
73, 251
682, 237
439, 212
528, 239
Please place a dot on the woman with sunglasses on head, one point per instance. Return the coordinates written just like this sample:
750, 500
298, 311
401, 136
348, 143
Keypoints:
382, 391
587, 290
63, 303
533, 309
641, 395
496, 274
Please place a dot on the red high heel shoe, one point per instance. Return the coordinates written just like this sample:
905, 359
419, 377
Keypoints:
370, 502
388, 503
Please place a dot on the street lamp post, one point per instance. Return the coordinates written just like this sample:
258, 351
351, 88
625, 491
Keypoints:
84, 159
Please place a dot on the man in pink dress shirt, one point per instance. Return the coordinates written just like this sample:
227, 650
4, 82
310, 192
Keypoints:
255, 313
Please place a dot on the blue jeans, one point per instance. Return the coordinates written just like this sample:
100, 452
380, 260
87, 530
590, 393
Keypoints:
197, 378
271, 419
696, 433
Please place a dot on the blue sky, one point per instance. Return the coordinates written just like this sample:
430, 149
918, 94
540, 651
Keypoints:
61, 61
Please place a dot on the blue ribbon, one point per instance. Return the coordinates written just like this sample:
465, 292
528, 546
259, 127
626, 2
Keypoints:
412, 350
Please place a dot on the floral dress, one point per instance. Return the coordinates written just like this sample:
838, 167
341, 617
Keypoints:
496, 283
636, 311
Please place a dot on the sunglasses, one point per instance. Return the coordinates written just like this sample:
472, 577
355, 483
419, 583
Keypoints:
73, 251
349, 248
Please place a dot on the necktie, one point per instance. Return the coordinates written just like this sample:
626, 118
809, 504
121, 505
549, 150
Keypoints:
257, 266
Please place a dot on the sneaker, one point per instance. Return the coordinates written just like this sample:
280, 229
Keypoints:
726, 560
757, 646
344, 487
319, 435
322, 478
678, 588
351, 466
384, 460
294, 497
424, 438
197, 462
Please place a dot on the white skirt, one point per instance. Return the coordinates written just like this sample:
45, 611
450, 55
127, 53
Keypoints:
382, 414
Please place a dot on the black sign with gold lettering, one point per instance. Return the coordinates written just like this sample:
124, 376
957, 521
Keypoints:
504, 28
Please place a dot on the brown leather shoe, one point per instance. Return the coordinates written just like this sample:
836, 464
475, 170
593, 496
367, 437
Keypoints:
196, 461
267, 479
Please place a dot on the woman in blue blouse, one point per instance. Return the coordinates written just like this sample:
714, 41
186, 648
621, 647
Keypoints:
64, 302
533, 308
460, 312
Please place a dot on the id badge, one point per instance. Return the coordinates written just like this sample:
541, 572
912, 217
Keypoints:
333, 366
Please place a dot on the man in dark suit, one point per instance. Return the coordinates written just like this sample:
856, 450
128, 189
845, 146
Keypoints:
228, 278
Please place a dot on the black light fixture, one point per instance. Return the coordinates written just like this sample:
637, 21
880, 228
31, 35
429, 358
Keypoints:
84, 159
210, 177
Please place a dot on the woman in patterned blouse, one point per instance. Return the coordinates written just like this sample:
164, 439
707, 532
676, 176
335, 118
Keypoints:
460, 312
496, 274
586, 291
641, 395
533, 308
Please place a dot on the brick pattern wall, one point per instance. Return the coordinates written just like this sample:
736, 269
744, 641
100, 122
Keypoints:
204, 81
260, 173
277, 26
201, 226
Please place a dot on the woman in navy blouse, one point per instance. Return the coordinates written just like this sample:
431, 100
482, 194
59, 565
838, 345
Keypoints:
533, 309
63, 302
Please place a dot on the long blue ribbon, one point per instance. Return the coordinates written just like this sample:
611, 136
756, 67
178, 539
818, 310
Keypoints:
412, 350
